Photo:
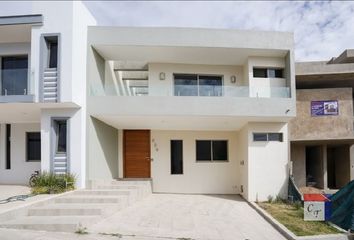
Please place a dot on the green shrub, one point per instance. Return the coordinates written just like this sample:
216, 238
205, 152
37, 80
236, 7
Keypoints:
270, 199
46, 183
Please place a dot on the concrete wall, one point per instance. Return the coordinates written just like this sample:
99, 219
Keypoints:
306, 127
268, 163
102, 161
20, 170
298, 158
198, 177
242, 153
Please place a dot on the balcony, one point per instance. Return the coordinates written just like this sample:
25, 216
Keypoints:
14, 86
142, 90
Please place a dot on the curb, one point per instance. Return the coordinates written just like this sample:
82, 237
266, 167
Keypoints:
290, 235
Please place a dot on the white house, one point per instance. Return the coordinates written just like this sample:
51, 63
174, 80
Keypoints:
196, 110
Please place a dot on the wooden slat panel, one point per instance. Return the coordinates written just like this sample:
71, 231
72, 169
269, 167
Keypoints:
137, 153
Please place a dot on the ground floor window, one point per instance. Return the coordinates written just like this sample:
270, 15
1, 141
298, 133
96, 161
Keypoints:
176, 157
212, 150
60, 136
33, 145
8, 146
266, 137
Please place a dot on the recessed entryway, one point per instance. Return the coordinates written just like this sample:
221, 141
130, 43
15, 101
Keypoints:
136, 153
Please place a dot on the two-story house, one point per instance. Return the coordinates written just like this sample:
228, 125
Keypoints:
321, 135
194, 110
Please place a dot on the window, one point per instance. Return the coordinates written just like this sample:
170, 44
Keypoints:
197, 85
267, 137
61, 136
51, 51
268, 72
33, 143
176, 157
53, 54
212, 150
8, 146
14, 71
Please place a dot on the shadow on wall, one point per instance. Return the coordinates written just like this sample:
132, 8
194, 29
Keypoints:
104, 149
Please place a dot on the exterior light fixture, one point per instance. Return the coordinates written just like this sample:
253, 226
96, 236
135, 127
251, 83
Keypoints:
162, 76
233, 79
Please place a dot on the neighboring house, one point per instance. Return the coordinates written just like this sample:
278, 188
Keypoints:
196, 110
42, 91
322, 135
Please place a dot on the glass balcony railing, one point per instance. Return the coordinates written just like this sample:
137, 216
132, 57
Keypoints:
14, 81
190, 90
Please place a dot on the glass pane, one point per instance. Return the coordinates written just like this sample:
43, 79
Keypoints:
14, 71
185, 85
259, 137
176, 157
61, 136
279, 73
203, 150
260, 72
210, 85
33, 146
53, 54
220, 150
275, 137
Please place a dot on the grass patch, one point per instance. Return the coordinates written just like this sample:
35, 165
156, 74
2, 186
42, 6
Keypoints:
292, 217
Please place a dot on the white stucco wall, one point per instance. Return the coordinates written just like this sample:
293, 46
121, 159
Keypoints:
268, 169
198, 177
20, 170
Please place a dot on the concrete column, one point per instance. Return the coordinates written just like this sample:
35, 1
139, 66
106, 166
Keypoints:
120, 153
351, 155
324, 165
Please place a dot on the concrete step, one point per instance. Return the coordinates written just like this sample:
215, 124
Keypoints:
104, 192
74, 209
91, 199
51, 223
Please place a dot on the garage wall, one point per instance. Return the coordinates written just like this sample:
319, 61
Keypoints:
198, 177
20, 169
268, 163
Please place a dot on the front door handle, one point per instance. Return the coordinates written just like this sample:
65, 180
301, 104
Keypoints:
149, 159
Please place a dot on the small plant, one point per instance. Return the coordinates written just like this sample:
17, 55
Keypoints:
279, 199
49, 183
270, 199
297, 205
81, 230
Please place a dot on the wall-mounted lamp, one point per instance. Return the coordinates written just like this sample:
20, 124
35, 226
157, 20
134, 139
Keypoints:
162, 76
233, 79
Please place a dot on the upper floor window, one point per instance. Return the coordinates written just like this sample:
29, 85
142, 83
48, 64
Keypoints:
268, 72
52, 51
14, 72
198, 85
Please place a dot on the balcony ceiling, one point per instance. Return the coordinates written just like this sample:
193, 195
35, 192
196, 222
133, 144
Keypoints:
188, 55
15, 33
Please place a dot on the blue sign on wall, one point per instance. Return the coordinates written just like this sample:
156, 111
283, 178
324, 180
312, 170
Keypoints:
324, 108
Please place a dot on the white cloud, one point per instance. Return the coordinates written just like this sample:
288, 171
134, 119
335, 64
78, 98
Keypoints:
322, 29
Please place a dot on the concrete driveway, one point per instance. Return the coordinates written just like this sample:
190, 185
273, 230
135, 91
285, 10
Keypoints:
179, 216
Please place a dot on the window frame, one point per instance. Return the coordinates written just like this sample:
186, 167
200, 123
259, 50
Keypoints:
198, 85
171, 173
27, 148
268, 138
268, 69
56, 146
211, 151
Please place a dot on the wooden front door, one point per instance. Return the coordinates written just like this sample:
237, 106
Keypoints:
136, 153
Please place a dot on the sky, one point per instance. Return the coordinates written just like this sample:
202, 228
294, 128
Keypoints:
322, 29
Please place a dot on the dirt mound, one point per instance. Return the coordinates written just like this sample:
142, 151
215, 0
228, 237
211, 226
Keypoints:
309, 190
